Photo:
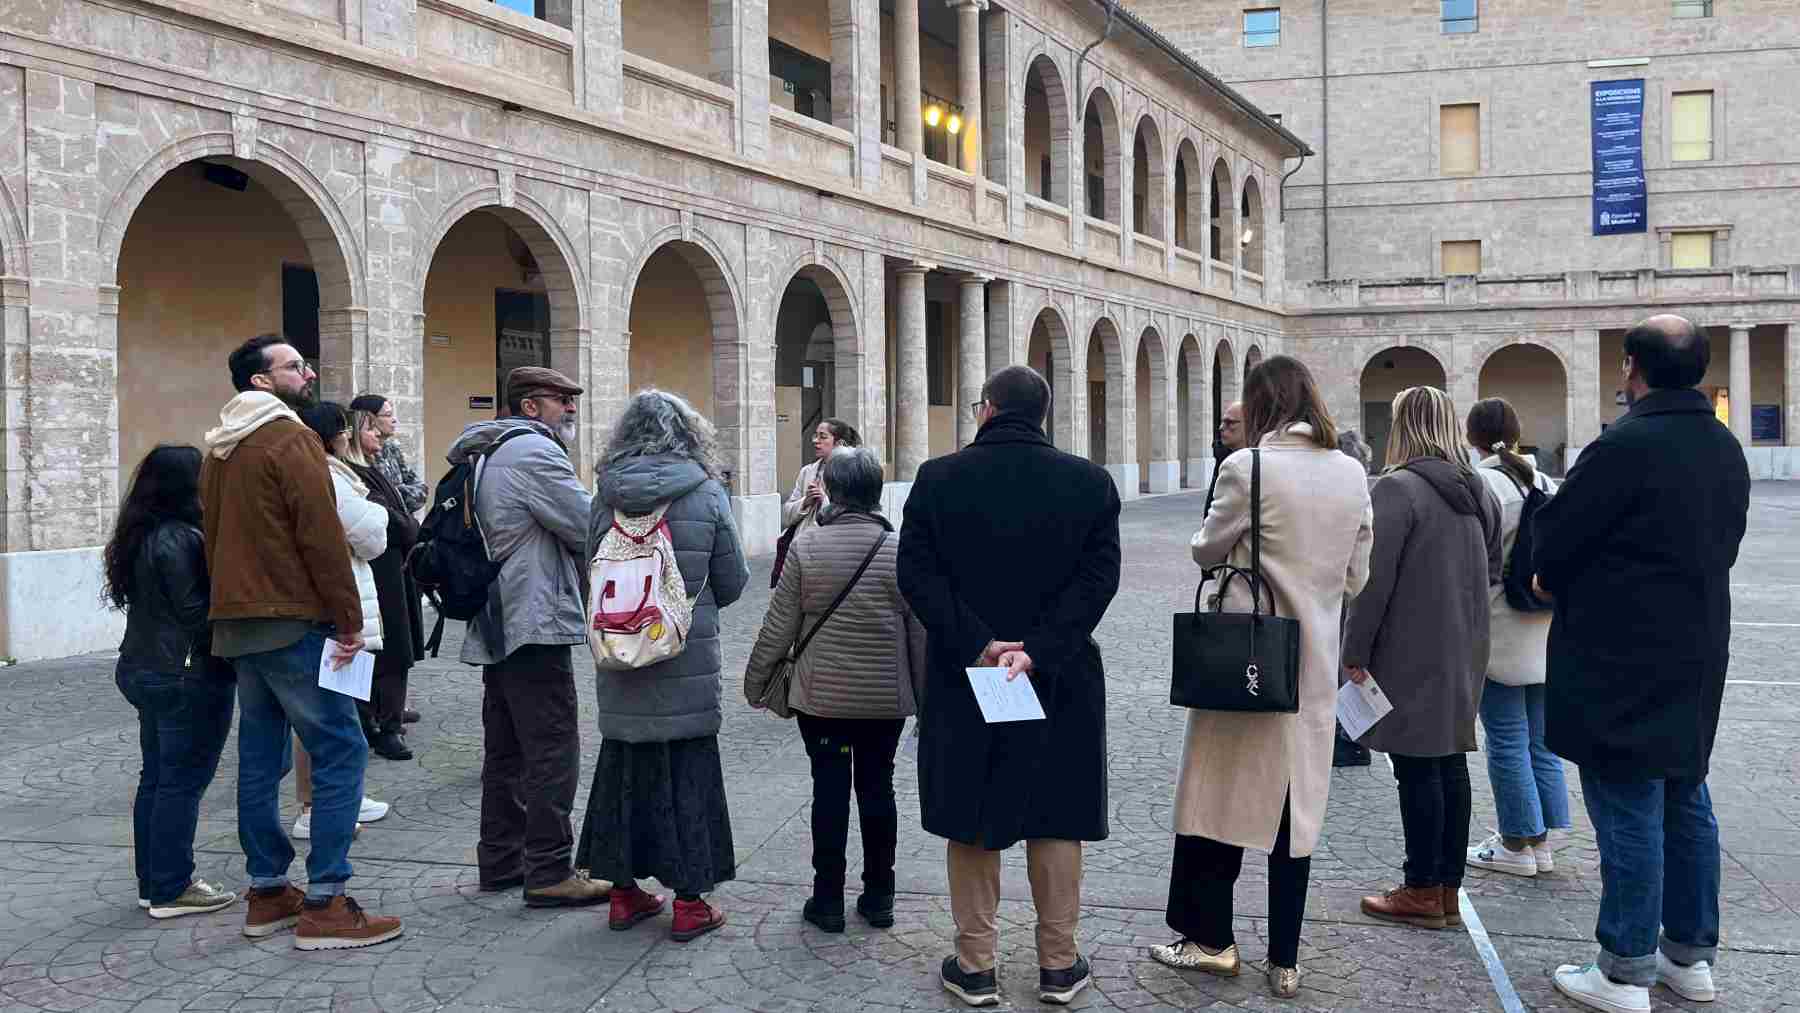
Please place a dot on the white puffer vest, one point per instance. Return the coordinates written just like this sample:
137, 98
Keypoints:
365, 528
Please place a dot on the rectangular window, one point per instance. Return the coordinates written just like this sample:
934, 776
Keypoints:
300, 310
1691, 249
1462, 256
1458, 17
1262, 27
1459, 139
1693, 127
1693, 9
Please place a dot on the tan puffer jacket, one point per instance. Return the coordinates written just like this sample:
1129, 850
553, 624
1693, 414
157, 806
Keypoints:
865, 659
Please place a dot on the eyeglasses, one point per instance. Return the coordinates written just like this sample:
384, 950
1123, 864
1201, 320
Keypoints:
566, 400
298, 367
976, 405
1230, 423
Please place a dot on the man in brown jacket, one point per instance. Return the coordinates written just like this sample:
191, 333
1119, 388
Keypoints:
282, 586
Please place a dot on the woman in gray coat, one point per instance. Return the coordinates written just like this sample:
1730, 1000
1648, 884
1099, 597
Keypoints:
658, 805
852, 688
1420, 627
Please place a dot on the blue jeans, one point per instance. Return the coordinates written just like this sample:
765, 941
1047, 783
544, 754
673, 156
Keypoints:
279, 690
1659, 867
183, 719
1530, 795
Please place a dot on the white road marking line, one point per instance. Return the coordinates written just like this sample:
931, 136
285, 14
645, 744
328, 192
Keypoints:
1503, 986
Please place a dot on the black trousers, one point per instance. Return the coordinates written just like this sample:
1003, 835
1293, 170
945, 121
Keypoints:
382, 712
1434, 812
848, 752
1200, 886
530, 765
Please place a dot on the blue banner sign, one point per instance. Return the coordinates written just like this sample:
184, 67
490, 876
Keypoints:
1620, 196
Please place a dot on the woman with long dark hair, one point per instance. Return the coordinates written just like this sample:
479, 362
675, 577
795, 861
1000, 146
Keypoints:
156, 574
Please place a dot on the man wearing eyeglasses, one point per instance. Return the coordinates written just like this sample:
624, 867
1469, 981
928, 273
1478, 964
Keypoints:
534, 514
1230, 440
281, 590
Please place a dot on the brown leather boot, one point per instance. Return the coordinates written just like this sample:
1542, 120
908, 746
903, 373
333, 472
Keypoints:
342, 924
1452, 908
272, 910
1421, 906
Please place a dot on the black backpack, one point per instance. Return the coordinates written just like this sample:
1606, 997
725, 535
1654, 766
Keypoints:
1519, 565
450, 560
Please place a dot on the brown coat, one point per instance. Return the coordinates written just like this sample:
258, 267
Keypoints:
274, 544
1237, 769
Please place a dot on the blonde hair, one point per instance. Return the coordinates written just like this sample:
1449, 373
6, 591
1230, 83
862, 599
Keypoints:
359, 420
1425, 425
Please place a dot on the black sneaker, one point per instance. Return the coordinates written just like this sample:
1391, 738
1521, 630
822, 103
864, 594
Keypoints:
878, 911
977, 988
1061, 987
822, 916
391, 746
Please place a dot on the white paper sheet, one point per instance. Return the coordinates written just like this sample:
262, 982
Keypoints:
353, 679
1003, 701
1359, 707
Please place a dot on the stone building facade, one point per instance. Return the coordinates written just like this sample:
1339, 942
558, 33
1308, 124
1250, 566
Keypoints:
781, 210
1444, 233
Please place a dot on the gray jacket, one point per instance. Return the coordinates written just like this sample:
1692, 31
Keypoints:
678, 699
532, 508
867, 658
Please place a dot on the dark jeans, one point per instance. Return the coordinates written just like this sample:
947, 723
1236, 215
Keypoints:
1434, 813
183, 719
846, 752
1200, 886
530, 765
1659, 867
387, 695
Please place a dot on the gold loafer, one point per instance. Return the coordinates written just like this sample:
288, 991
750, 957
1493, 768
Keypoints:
1284, 981
1188, 955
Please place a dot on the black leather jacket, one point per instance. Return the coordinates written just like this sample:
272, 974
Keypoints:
166, 628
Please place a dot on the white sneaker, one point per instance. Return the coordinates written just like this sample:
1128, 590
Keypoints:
1590, 987
371, 810
199, 898
1693, 982
1545, 856
1493, 856
303, 825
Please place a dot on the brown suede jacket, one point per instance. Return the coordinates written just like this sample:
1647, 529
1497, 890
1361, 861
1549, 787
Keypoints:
274, 545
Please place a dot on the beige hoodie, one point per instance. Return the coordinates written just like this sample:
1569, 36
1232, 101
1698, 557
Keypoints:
243, 415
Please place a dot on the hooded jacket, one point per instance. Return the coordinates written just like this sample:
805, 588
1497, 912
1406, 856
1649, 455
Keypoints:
532, 508
365, 532
678, 699
274, 544
1420, 625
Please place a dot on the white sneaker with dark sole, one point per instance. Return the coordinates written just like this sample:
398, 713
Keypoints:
371, 811
1693, 982
1590, 987
1493, 855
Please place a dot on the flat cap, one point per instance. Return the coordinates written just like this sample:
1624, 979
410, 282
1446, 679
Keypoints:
529, 381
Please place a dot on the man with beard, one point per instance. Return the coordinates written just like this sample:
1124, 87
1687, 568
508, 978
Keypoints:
534, 515
281, 588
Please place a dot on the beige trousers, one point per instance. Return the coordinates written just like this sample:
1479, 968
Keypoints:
1054, 868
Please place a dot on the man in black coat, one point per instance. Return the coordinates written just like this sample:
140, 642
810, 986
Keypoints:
1637, 549
1009, 555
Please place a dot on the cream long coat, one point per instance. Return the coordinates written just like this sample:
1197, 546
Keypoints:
1317, 529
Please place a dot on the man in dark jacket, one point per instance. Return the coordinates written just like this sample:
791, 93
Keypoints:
1010, 555
1637, 549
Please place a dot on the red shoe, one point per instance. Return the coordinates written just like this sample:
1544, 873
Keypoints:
632, 905
693, 919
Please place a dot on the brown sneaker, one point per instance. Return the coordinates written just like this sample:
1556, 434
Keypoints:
576, 891
342, 925
1420, 906
1452, 907
272, 910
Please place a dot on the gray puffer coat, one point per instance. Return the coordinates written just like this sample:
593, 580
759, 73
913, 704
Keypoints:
869, 656
679, 698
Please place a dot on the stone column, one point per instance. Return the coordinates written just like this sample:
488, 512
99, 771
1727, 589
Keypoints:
1791, 342
972, 354
968, 60
1000, 328
1740, 382
599, 28
740, 60
909, 127
1584, 392
856, 83
912, 414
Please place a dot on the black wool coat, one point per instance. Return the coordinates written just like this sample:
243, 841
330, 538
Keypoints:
402, 613
1012, 540
1637, 546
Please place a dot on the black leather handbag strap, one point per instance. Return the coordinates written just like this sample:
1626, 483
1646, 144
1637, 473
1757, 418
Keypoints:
1225, 573
800, 648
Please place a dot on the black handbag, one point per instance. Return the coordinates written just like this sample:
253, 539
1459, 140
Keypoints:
774, 696
1238, 661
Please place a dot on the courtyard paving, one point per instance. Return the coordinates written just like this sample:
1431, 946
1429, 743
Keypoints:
72, 938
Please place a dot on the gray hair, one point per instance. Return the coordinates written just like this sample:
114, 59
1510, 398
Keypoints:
1351, 443
853, 478
658, 422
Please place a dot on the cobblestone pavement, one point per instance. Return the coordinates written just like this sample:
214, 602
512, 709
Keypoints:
71, 937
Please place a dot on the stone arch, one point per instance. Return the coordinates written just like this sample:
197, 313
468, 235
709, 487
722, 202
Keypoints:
553, 249
1149, 179
1221, 214
1055, 135
1054, 357
1534, 377
1109, 419
1251, 225
845, 322
1100, 144
1190, 197
1383, 375
1225, 381
1191, 410
1253, 357
1158, 470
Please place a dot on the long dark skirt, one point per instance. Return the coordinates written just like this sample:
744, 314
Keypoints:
658, 811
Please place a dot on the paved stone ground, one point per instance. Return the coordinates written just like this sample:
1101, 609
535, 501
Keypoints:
72, 939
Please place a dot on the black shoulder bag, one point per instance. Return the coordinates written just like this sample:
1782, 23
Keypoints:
1236, 661
774, 697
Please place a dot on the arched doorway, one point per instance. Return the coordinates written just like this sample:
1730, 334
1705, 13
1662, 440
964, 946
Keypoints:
1250, 232
1220, 210
1100, 157
1387, 373
1190, 192
1252, 359
1048, 353
1224, 387
1190, 409
816, 367
176, 240
1046, 132
1533, 380
1106, 405
683, 326
1148, 179
1157, 469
